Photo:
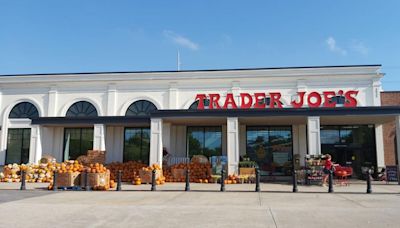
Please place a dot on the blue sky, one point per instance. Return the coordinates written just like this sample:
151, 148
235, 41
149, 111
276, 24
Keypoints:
94, 35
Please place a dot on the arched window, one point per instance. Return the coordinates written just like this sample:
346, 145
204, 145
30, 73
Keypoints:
81, 109
140, 108
24, 110
196, 103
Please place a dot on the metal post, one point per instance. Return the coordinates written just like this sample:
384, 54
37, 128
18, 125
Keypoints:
187, 186
330, 188
223, 179
369, 190
153, 180
55, 188
87, 188
119, 180
257, 180
295, 181
23, 186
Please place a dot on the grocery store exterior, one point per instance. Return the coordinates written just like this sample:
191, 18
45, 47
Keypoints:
270, 114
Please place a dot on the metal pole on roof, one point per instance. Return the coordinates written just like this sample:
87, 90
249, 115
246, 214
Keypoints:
178, 61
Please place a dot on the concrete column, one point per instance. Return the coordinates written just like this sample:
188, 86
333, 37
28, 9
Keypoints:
99, 137
380, 154
3, 143
156, 146
111, 100
52, 102
35, 149
302, 142
397, 124
166, 136
313, 135
233, 145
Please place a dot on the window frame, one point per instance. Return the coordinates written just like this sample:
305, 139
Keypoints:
141, 144
203, 132
80, 141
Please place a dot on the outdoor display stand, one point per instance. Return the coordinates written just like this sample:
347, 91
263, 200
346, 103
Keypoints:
314, 169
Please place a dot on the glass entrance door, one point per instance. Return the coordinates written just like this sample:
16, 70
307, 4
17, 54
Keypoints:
18, 142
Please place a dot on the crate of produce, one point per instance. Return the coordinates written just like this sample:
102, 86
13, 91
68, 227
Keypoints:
145, 175
97, 180
68, 179
178, 173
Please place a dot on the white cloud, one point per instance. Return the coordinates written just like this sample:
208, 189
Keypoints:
181, 40
360, 48
331, 42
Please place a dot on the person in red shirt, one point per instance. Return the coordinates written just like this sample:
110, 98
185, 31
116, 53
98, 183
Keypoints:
327, 168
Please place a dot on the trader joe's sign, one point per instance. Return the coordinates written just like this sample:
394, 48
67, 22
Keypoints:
258, 100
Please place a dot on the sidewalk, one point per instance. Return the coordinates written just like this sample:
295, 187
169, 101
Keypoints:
204, 206
355, 186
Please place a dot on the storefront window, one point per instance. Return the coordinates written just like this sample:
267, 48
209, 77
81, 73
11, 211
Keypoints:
353, 145
205, 141
77, 141
18, 142
271, 148
137, 144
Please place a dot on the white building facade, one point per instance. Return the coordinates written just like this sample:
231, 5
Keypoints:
65, 114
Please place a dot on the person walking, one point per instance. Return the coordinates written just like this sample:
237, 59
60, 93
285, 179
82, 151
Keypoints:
327, 168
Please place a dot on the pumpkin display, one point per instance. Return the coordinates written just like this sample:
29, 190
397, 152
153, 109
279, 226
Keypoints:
199, 172
129, 170
146, 174
39, 173
69, 167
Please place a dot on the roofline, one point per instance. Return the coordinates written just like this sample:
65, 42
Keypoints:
207, 113
205, 70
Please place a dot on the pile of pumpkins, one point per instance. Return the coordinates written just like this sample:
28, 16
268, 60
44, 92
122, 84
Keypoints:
155, 166
130, 170
199, 172
96, 168
232, 179
69, 167
160, 179
35, 173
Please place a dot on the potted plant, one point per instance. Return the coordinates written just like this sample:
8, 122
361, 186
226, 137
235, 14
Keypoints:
247, 167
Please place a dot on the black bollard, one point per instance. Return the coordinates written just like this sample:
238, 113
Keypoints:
330, 188
257, 180
55, 188
369, 190
153, 180
87, 188
223, 179
23, 186
119, 180
187, 186
295, 181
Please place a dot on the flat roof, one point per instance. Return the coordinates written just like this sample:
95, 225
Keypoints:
205, 70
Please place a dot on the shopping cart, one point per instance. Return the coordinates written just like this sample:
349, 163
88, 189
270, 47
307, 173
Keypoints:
342, 173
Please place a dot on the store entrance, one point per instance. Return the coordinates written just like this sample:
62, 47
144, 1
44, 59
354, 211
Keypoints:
350, 146
18, 143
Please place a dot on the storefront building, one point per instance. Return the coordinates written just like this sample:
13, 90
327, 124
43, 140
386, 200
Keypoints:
271, 115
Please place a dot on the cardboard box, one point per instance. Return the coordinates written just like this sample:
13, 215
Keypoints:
178, 173
68, 179
145, 176
247, 171
96, 179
